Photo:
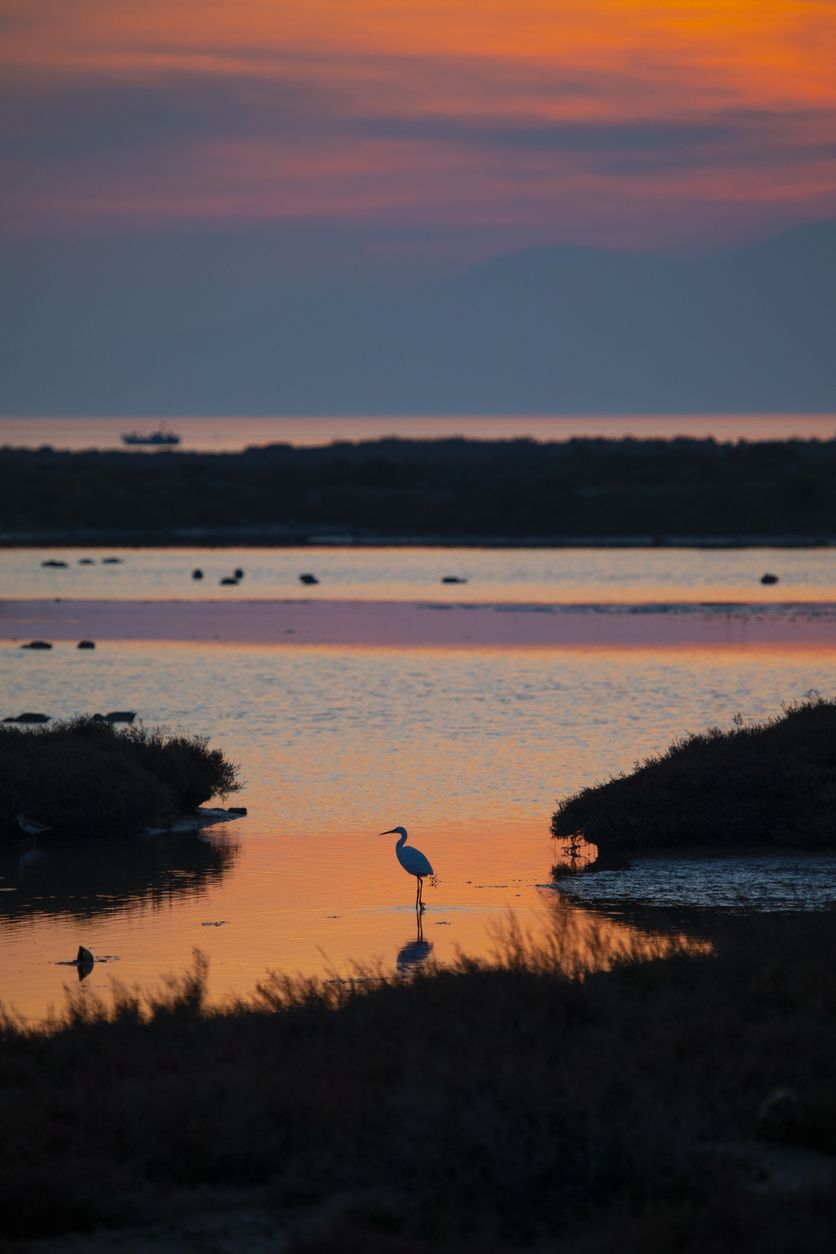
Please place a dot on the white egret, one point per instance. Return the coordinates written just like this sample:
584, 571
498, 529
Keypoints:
412, 860
31, 826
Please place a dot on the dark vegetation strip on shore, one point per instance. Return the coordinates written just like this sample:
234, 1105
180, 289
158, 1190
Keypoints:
517, 489
480, 1108
771, 783
84, 777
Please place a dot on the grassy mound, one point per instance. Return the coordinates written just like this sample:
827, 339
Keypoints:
770, 783
475, 1109
87, 778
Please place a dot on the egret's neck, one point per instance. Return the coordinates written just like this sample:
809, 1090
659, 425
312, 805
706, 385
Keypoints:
401, 841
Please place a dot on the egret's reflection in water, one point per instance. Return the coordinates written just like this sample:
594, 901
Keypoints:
415, 951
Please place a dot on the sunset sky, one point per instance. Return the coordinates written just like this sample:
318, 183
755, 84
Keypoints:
436, 130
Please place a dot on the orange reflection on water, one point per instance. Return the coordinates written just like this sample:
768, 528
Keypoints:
468, 748
326, 904
578, 941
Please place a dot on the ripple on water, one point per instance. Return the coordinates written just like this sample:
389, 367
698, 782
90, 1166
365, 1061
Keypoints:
769, 882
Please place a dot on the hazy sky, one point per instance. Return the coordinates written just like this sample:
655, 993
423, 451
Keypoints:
384, 131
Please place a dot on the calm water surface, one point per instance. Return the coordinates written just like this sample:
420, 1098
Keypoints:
467, 748
531, 576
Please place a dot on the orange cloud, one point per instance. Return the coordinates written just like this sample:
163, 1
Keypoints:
535, 115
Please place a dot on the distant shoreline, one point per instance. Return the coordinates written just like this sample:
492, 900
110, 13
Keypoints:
283, 538
450, 492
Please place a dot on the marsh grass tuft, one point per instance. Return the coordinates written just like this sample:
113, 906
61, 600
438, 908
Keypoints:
771, 783
84, 777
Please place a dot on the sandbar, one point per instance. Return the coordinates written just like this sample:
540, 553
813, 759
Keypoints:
414, 624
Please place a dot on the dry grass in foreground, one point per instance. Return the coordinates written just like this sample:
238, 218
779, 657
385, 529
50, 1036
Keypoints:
482, 1108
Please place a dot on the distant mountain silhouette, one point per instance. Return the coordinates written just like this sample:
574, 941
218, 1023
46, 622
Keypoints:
548, 329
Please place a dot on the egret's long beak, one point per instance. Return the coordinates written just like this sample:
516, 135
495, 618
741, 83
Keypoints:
391, 832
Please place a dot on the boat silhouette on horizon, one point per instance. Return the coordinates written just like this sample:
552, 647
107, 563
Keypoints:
152, 437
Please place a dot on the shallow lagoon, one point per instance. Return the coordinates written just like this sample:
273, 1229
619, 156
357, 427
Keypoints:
468, 745
468, 748
507, 576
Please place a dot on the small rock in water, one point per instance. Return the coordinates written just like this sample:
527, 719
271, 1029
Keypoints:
120, 716
307, 577
239, 574
28, 716
86, 561
37, 644
54, 563
239, 810
111, 561
197, 574
230, 580
453, 579
769, 578
86, 644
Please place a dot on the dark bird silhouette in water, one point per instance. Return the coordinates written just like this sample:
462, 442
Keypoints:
84, 962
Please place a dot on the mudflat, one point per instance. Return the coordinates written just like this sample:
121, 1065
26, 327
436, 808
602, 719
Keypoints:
396, 623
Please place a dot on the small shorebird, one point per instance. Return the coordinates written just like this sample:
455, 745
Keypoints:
31, 826
413, 862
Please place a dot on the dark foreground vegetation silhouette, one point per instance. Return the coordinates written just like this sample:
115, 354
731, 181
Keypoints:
771, 783
84, 777
685, 1104
518, 489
